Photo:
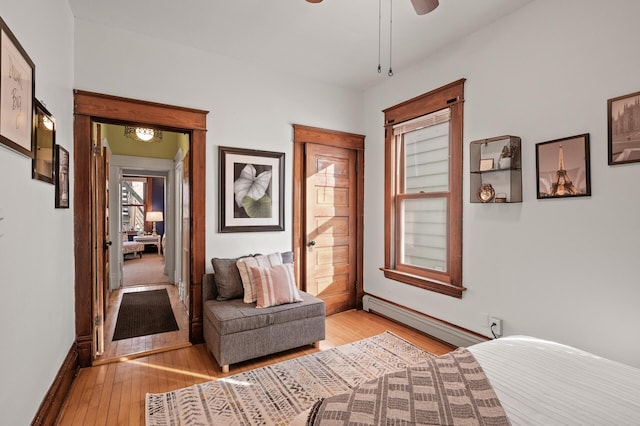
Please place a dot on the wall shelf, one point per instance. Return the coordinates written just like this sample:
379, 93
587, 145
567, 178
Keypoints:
496, 170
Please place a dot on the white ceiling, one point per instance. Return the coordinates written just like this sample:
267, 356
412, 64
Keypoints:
334, 41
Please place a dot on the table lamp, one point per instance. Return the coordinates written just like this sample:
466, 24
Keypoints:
154, 217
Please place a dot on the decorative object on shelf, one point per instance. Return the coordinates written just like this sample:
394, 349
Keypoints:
17, 88
496, 162
251, 190
562, 167
486, 192
154, 217
624, 129
504, 162
62, 177
143, 134
486, 164
44, 142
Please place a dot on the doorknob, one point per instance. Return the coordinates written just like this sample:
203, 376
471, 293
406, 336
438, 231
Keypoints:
106, 244
311, 243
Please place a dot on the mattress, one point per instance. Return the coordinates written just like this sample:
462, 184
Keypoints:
545, 383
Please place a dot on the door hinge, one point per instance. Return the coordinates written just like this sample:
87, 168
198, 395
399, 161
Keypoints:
97, 321
96, 150
355, 284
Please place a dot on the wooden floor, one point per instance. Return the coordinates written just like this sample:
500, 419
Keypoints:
143, 344
114, 393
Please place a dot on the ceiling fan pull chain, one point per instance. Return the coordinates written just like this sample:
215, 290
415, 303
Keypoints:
379, 34
390, 73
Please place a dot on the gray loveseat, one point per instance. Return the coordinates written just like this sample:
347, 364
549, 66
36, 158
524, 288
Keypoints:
235, 331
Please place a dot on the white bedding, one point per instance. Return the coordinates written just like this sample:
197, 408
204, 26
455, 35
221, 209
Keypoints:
544, 383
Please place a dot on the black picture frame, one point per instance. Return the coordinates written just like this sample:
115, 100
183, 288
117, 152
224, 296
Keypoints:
623, 128
563, 168
17, 89
62, 196
44, 142
251, 191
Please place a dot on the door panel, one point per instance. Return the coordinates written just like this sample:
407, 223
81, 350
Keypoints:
331, 225
99, 241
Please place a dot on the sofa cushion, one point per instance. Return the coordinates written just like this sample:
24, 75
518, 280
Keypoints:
234, 316
244, 266
227, 278
275, 285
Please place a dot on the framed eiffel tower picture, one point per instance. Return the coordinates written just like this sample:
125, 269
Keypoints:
563, 167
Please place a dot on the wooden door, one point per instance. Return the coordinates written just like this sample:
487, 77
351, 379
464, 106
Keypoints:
331, 219
99, 238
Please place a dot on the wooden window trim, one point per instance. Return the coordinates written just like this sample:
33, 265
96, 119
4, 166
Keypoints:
449, 96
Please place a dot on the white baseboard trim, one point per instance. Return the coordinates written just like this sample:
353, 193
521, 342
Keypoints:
438, 329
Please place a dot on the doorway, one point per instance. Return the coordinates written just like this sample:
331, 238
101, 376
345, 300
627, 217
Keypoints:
327, 219
90, 246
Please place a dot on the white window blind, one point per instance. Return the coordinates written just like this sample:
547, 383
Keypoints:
423, 145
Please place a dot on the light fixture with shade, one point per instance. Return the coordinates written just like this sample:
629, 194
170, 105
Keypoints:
422, 7
143, 134
154, 217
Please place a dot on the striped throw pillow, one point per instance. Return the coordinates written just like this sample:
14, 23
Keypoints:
244, 266
275, 285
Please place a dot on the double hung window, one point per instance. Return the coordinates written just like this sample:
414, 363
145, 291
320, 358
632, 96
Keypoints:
423, 191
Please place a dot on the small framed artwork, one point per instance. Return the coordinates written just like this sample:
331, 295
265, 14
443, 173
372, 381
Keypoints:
623, 115
486, 164
562, 167
44, 143
17, 86
251, 190
62, 177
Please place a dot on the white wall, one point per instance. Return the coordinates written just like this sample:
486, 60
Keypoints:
36, 240
558, 269
249, 108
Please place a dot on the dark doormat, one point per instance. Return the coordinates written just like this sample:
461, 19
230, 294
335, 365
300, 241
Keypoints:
143, 313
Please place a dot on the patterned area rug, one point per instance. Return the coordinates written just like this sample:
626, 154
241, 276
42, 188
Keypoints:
275, 394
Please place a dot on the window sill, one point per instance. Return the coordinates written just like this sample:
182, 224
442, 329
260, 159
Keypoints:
425, 283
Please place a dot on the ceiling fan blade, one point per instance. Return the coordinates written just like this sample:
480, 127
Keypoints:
314, 1
423, 7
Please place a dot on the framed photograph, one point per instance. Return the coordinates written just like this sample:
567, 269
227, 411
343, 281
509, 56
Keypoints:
251, 190
44, 143
562, 167
486, 164
624, 129
62, 177
17, 86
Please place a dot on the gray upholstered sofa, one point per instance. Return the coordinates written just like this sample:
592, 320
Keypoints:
235, 331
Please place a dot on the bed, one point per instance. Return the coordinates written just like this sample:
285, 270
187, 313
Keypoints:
536, 382
539, 382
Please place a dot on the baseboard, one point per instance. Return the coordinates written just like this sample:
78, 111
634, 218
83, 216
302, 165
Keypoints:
435, 327
52, 403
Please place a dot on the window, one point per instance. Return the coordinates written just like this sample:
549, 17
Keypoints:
133, 203
423, 191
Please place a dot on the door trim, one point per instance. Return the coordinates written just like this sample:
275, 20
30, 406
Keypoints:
301, 136
90, 107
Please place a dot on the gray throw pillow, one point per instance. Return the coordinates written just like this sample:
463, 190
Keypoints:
227, 279
287, 257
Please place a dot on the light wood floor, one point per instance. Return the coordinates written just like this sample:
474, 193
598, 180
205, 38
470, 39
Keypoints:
114, 393
143, 344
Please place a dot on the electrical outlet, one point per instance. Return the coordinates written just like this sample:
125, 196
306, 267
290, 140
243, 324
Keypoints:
497, 328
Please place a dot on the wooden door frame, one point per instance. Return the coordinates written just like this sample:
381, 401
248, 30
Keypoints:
89, 107
301, 136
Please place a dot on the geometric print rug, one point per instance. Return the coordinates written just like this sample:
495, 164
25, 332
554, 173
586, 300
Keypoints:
276, 394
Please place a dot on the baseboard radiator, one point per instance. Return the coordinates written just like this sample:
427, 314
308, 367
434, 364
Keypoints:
438, 329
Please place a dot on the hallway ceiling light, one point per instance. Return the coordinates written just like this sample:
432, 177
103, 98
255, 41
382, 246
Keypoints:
143, 134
